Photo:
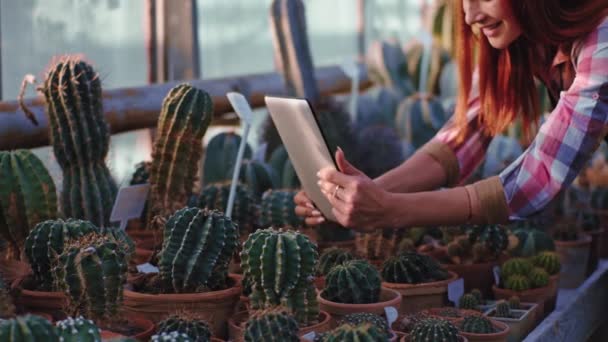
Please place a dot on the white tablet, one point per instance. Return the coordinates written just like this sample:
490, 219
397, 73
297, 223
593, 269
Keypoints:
305, 144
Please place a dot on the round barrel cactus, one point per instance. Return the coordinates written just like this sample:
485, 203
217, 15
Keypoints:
478, 295
331, 257
516, 266
478, 325
354, 333
379, 149
361, 318
517, 283
47, 240
220, 156
503, 309
412, 268
197, 330
538, 278
278, 209
434, 329
173, 336
28, 328
531, 242
353, 282
141, 173
549, 261
418, 119
376, 106
438, 59
257, 175
245, 210
27, 197
78, 330
197, 247
271, 325
283, 168
494, 237
514, 303
468, 302
92, 272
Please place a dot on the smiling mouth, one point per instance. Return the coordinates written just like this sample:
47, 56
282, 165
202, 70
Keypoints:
490, 29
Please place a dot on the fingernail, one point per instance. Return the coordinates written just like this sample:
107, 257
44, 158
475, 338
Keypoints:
321, 220
308, 204
316, 213
340, 149
318, 173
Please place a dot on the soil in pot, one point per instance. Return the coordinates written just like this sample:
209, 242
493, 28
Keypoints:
135, 327
236, 328
388, 298
449, 313
416, 297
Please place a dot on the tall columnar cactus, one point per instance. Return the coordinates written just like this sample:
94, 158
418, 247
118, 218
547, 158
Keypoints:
92, 272
301, 302
360, 318
418, 119
478, 295
47, 240
412, 268
519, 266
468, 302
279, 209
197, 330
27, 197
353, 282
517, 283
197, 247
387, 66
245, 210
439, 58
379, 149
331, 257
531, 242
121, 237
354, 333
538, 278
477, 325
220, 156
549, 261
258, 176
78, 330
514, 303
185, 116
283, 168
503, 309
28, 328
434, 329
80, 139
271, 325
174, 336
278, 260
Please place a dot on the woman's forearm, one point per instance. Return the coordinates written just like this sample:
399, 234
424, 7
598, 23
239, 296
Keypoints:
421, 172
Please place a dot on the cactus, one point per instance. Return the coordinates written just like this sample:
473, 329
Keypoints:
412, 268
516, 266
531, 242
514, 303
379, 149
278, 260
271, 325
80, 139
387, 66
377, 106
283, 168
197, 330
503, 309
331, 257
78, 330
549, 261
439, 58
538, 278
141, 175
360, 318
406, 245
121, 237
517, 283
47, 240
353, 333
418, 119
407, 323
449, 312
185, 116
444, 27
258, 176
28, 328
197, 247
278, 209
494, 237
245, 212
434, 329
92, 272
353, 282
173, 336
220, 156
478, 295
468, 302
27, 197
477, 325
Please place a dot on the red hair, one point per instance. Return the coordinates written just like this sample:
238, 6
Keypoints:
509, 90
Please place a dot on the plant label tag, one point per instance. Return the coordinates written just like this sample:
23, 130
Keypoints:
496, 272
391, 315
456, 290
310, 336
241, 106
129, 204
147, 268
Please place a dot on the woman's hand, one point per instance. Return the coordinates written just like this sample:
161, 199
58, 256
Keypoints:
306, 209
357, 201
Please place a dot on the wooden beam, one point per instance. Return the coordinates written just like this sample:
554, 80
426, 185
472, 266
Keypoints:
128, 109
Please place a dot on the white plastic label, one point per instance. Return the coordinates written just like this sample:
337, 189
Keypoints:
391, 315
455, 290
310, 336
129, 204
147, 268
241, 106
351, 69
496, 272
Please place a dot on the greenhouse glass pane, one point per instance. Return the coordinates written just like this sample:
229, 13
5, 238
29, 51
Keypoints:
400, 19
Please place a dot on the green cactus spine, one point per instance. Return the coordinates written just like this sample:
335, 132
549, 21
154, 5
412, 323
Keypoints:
78, 330
503, 309
174, 336
278, 209
434, 329
331, 257
220, 156
27, 328
197, 330
494, 237
549, 261
353, 282
517, 283
514, 303
80, 139
92, 271
538, 278
516, 266
412, 268
245, 212
278, 260
301, 302
283, 168
197, 247
121, 237
185, 116
360, 318
271, 325
27, 197
47, 240
258, 175
477, 325
468, 302
354, 333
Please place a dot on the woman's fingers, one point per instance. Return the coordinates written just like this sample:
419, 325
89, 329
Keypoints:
307, 212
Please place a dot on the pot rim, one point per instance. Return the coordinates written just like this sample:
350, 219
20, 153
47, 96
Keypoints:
401, 286
234, 290
394, 301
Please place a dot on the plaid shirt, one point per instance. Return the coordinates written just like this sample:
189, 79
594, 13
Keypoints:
564, 143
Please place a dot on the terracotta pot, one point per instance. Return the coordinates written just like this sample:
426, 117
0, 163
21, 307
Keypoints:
406, 338
436, 312
236, 330
51, 303
594, 250
145, 326
573, 256
416, 297
476, 276
520, 325
14, 270
551, 301
500, 336
540, 296
44, 315
388, 297
215, 306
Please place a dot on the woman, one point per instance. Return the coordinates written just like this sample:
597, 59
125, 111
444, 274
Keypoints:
564, 43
